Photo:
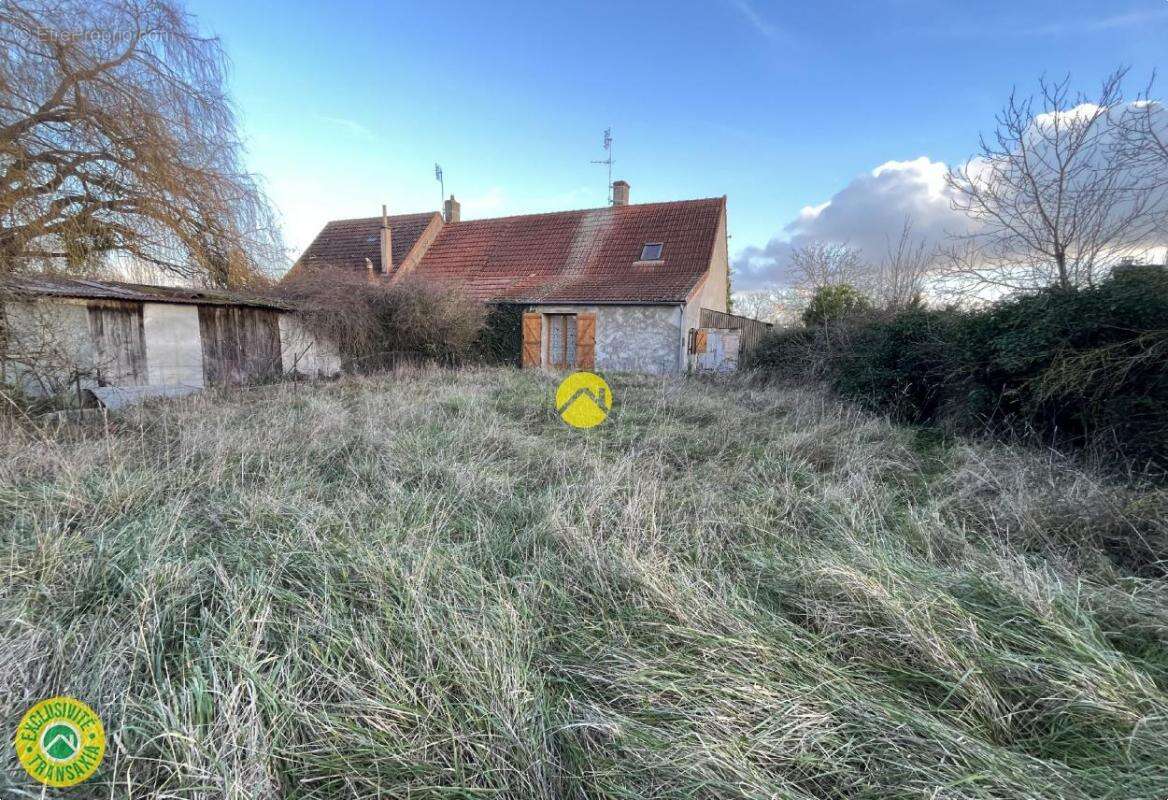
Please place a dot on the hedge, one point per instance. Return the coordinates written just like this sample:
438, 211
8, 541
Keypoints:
1086, 366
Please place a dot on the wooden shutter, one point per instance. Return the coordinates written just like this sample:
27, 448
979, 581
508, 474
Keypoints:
700, 340
586, 340
532, 323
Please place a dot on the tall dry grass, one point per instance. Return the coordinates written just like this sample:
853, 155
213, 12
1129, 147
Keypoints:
425, 585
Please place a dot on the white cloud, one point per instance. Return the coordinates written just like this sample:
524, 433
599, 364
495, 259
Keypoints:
1080, 26
872, 207
756, 20
351, 126
490, 203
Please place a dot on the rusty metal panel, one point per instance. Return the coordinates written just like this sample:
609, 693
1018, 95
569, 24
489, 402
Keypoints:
719, 350
240, 345
752, 329
119, 342
700, 340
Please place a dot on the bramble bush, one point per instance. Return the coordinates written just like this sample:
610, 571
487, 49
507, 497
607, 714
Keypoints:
377, 325
1073, 367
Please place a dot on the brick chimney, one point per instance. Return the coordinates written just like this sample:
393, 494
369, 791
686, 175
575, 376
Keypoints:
620, 193
386, 244
452, 210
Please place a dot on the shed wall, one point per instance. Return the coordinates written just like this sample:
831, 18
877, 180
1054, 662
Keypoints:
174, 352
752, 329
49, 346
119, 345
240, 345
301, 352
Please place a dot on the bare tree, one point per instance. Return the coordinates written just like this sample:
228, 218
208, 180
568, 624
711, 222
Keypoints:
781, 306
1050, 201
1142, 133
1142, 143
118, 145
818, 264
898, 279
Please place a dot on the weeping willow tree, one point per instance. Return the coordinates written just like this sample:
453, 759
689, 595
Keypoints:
119, 149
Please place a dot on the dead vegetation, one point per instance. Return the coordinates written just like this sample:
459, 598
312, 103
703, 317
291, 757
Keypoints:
424, 584
375, 325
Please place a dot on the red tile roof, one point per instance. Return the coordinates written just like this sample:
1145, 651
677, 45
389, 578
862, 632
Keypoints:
580, 256
347, 243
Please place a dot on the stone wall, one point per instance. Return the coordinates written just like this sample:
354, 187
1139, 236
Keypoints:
638, 338
629, 338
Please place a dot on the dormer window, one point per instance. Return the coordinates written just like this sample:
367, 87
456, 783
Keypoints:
651, 252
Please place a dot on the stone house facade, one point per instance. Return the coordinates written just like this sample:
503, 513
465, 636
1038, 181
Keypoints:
619, 288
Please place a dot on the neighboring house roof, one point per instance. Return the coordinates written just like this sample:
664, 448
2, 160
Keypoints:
347, 243
581, 256
85, 289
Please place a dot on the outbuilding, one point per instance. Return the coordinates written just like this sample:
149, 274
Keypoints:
66, 334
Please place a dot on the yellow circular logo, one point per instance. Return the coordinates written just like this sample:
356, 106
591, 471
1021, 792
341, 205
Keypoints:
60, 742
583, 400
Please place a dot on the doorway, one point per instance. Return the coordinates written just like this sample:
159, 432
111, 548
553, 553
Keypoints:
561, 352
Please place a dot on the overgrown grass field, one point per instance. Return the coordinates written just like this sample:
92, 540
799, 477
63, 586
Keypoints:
425, 585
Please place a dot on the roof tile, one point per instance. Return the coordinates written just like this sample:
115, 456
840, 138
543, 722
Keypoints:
347, 243
584, 256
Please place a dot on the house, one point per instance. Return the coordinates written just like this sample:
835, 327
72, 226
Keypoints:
68, 334
614, 288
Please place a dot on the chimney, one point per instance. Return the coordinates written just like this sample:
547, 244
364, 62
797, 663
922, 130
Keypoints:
620, 193
452, 210
386, 244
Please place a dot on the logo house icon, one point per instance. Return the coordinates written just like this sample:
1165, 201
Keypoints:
583, 400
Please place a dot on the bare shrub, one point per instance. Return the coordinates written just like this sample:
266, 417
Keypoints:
375, 325
819, 264
899, 279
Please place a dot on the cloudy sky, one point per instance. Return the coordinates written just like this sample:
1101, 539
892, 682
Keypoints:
826, 120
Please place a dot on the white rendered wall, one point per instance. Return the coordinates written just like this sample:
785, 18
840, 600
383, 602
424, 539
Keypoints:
174, 345
301, 352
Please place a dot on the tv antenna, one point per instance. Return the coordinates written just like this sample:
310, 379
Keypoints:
441, 184
607, 161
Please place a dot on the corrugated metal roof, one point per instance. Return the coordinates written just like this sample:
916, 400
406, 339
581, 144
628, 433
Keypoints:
52, 286
118, 397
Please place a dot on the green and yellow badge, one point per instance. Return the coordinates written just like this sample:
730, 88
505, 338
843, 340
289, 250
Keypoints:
60, 742
583, 400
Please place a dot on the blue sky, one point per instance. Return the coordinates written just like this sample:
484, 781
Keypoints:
779, 106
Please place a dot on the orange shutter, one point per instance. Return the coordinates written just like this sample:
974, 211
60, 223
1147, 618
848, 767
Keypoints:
532, 325
700, 340
586, 340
